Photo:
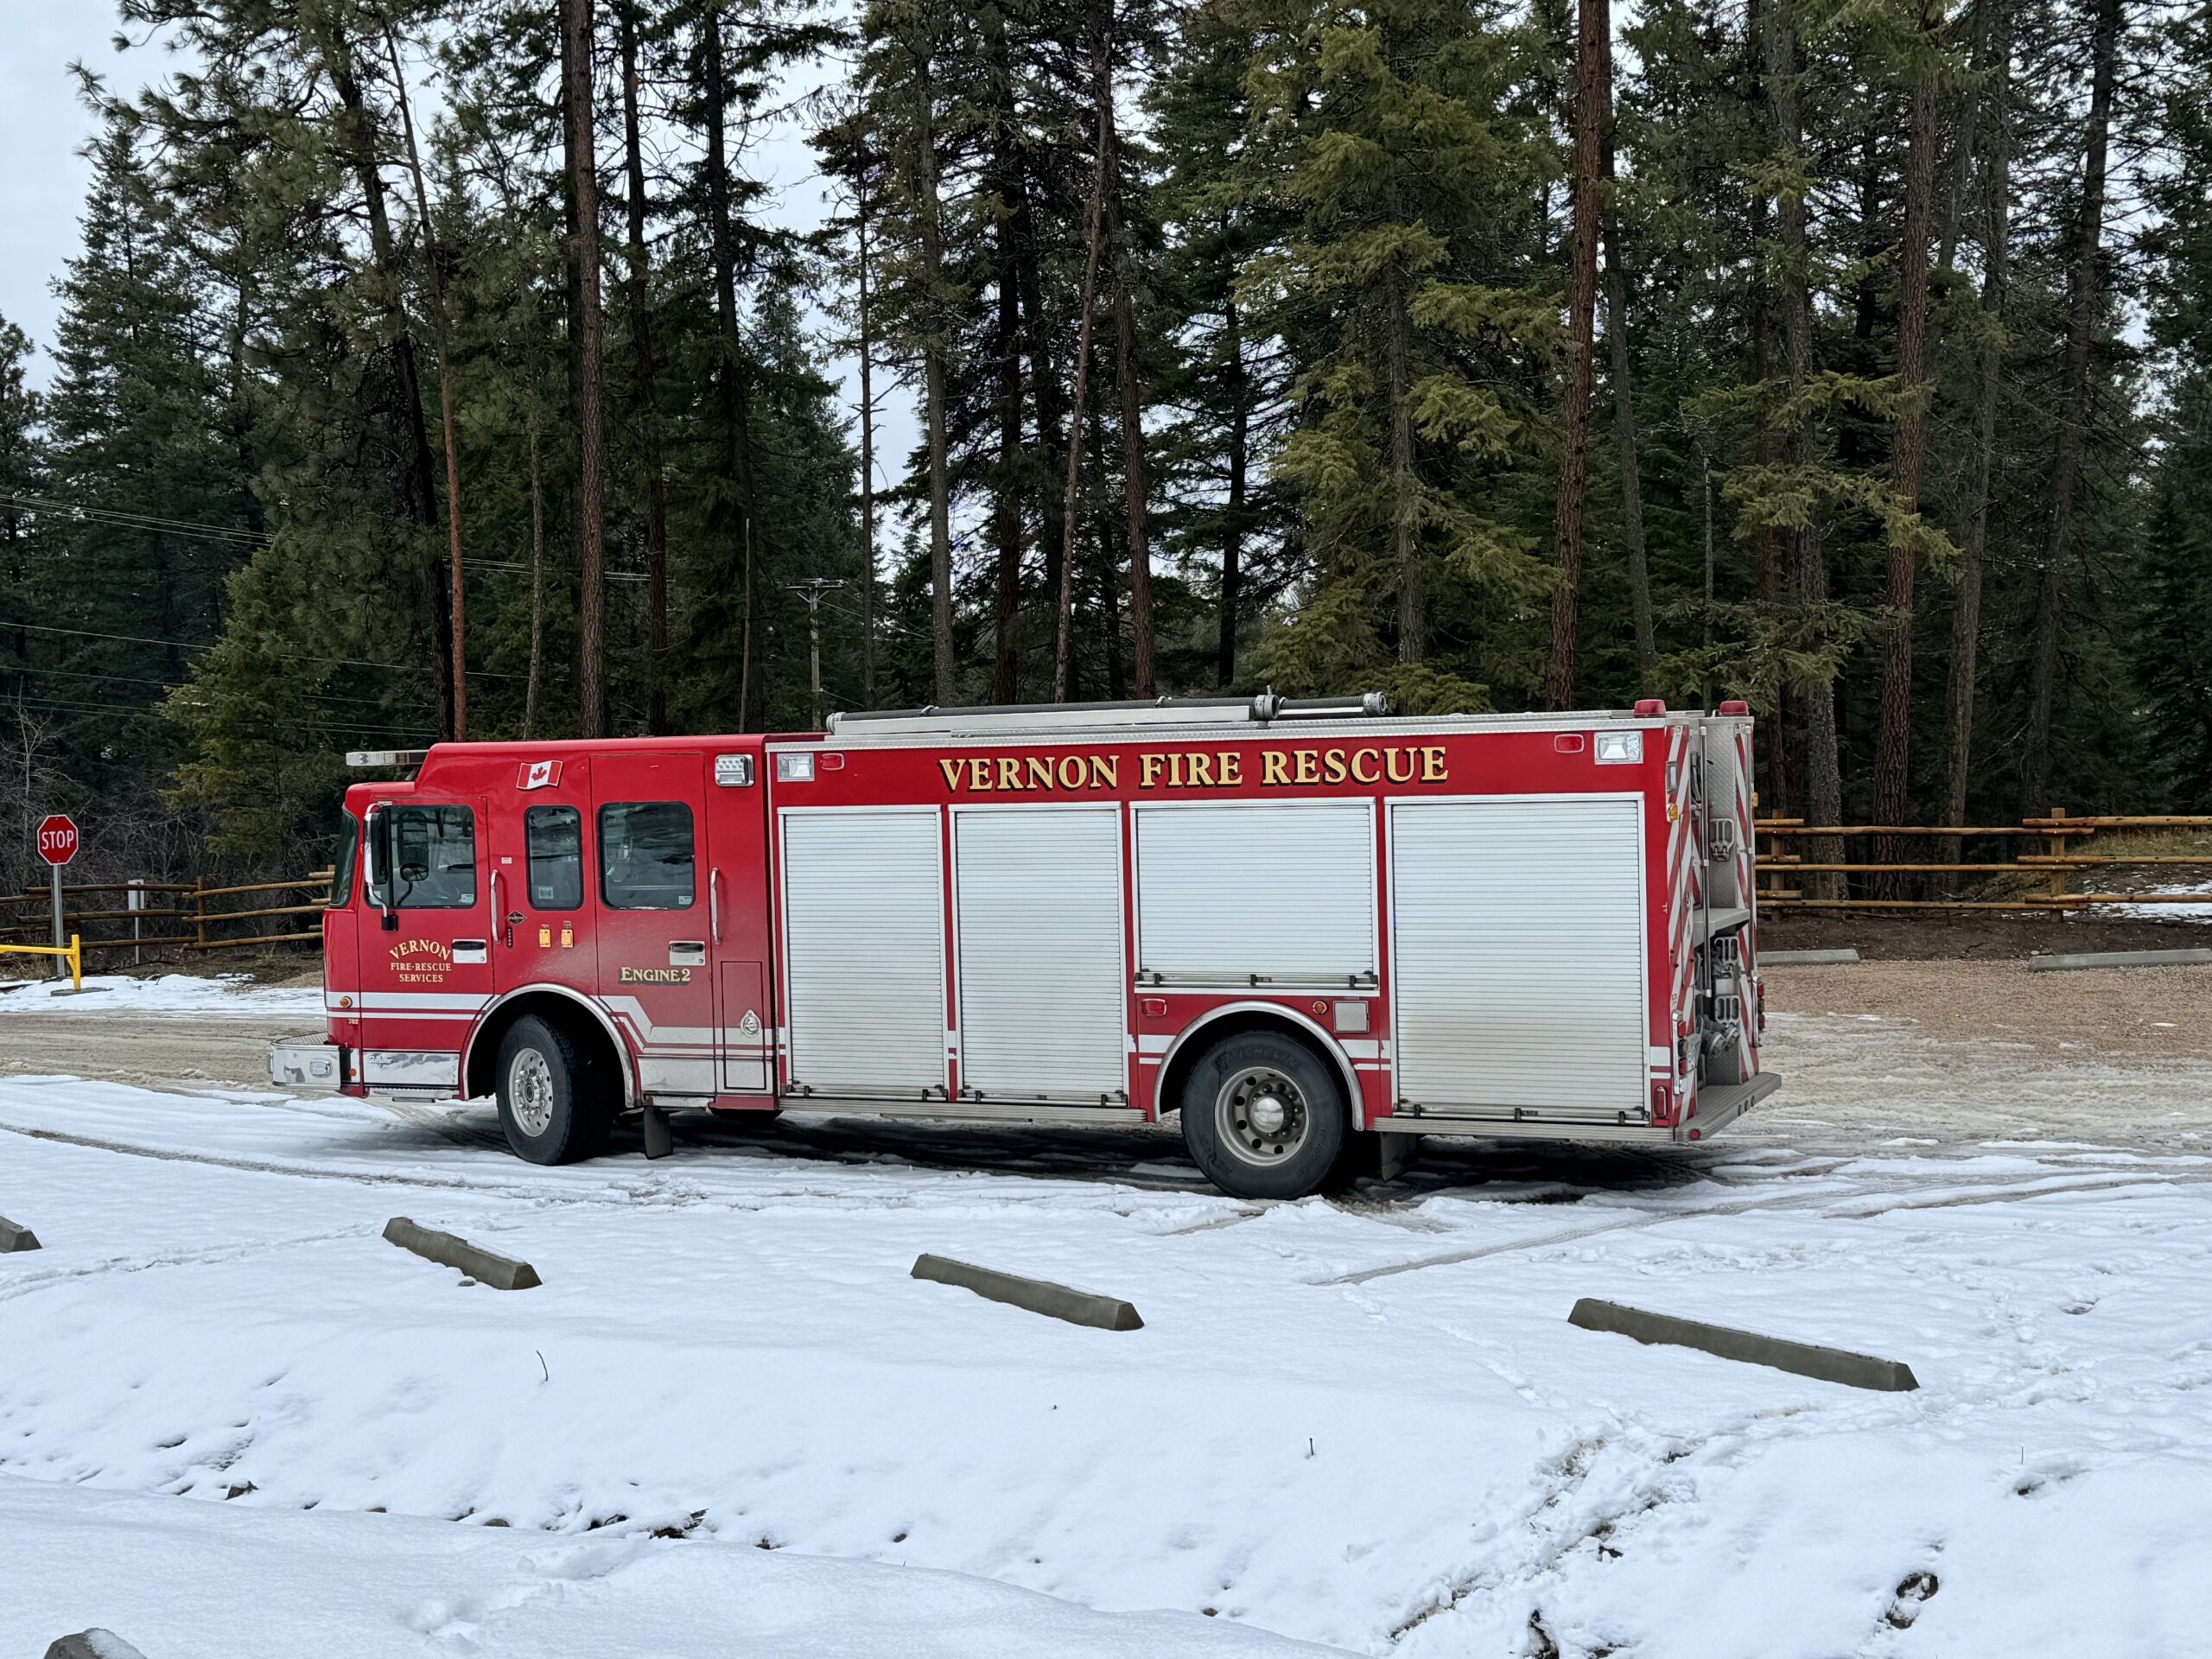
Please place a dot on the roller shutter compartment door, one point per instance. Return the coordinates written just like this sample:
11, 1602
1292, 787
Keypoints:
1518, 956
864, 950
1043, 989
1283, 891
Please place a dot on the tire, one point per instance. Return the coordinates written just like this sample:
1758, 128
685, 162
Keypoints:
1264, 1117
552, 1103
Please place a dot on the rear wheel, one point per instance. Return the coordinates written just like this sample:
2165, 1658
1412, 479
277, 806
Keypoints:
1263, 1117
550, 1104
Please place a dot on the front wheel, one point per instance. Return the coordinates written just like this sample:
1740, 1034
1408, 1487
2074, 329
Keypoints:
549, 1107
1263, 1117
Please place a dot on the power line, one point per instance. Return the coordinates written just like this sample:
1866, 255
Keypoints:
287, 656
39, 672
127, 520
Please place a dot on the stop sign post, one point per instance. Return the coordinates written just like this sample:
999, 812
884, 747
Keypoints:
58, 842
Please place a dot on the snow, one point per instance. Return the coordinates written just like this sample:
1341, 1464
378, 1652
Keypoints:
167, 993
2164, 913
1362, 1423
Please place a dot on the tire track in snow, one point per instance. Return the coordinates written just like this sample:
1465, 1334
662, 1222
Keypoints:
214, 1254
1904, 1199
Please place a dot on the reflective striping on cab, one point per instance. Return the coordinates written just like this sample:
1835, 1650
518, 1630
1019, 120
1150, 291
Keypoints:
864, 949
1518, 956
1043, 1001
1281, 890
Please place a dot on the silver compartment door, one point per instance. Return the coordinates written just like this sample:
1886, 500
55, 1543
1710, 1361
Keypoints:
864, 949
1044, 996
1282, 892
1517, 944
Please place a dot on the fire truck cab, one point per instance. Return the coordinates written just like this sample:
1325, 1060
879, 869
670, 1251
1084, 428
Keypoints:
1302, 926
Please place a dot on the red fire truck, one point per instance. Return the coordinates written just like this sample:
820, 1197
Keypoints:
1308, 927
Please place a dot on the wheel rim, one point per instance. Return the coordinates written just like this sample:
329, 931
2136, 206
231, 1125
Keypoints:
1262, 1117
529, 1093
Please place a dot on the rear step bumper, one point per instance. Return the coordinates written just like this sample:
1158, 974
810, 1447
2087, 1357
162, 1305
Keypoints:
1718, 1106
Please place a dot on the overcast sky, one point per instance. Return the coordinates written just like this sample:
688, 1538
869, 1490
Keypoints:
41, 125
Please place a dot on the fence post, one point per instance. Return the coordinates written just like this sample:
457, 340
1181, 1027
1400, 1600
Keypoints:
135, 903
200, 909
2056, 847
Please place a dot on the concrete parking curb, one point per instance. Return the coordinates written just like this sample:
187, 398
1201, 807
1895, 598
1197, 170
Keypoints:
2066, 962
1037, 1295
92, 1645
500, 1272
1803, 1358
13, 1238
1805, 958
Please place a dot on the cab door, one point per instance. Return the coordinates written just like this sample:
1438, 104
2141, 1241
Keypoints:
426, 951
655, 975
547, 932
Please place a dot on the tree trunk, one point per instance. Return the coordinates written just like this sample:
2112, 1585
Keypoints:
443, 328
1240, 463
1639, 566
1110, 586
933, 355
536, 585
1771, 748
2083, 287
1045, 395
1405, 547
1593, 97
1064, 644
868, 449
1823, 802
1134, 490
737, 518
999, 138
420, 493
1966, 616
1005, 507
1974, 103
1893, 734
646, 371
591, 606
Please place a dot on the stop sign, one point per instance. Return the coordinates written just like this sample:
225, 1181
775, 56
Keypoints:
57, 839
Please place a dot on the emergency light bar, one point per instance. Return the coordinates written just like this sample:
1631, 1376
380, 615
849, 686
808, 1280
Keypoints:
1160, 711
385, 756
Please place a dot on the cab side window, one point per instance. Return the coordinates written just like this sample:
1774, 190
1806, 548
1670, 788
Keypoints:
432, 858
644, 855
341, 869
554, 837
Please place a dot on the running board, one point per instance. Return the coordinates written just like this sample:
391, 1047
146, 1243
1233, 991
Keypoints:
968, 1112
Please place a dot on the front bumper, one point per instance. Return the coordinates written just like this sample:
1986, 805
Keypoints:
308, 1066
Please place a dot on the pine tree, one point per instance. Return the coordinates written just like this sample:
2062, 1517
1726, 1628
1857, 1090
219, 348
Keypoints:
1430, 352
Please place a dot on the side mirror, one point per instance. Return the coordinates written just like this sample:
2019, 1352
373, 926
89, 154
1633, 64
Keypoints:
375, 869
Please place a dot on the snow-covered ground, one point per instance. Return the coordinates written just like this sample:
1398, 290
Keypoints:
730, 1422
179, 993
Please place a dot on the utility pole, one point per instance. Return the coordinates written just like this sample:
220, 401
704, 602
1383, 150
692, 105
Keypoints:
811, 590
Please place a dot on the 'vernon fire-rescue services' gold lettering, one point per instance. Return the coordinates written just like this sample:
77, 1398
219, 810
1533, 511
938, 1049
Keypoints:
1008, 774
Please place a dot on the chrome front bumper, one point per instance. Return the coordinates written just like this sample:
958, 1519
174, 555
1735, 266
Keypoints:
307, 1066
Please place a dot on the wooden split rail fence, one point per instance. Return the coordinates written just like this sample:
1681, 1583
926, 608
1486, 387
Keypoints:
1791, 850
163, 917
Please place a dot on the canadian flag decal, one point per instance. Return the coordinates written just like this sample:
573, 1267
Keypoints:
539, 774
